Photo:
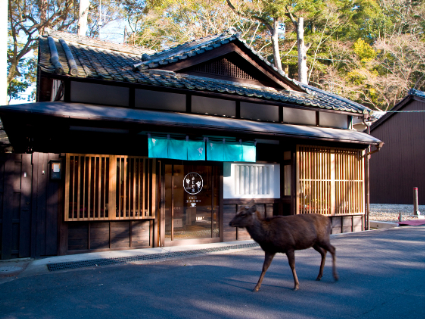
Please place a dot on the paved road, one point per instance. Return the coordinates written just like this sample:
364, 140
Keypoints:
382, 275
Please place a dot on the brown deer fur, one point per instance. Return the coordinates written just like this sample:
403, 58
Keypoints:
285, 234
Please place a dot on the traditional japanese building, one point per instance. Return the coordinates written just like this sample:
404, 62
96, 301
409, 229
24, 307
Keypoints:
130, 149
399, 167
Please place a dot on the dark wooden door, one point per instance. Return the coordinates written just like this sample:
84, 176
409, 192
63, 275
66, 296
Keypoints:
15, 205
30, 204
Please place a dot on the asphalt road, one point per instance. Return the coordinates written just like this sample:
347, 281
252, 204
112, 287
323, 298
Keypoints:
382, 275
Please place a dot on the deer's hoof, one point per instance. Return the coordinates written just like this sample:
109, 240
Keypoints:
318, 278
336, 277
256, 289
296, 288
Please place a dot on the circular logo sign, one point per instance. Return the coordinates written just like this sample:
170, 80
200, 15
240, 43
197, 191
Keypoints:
193, 183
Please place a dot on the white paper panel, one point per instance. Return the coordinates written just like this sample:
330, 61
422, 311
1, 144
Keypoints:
251, 180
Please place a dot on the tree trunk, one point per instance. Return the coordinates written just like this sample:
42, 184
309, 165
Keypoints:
43, 15
82, 17
275, 43
302, 53
12, 70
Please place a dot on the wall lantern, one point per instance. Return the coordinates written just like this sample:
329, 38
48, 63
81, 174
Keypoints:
55, 170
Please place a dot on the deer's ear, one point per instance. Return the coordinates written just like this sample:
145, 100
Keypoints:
253, 208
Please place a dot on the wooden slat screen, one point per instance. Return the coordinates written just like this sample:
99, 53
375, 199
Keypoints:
109, 187
330, 181
132, 187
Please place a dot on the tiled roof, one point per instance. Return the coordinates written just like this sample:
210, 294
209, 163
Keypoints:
177, 80
88, 112
200, 46
96, 43
92, 60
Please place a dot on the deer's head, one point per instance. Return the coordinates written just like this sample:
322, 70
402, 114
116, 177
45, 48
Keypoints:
245, 217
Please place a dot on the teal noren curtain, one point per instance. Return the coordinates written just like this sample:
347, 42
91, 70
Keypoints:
157, 147
177, 149
195, 150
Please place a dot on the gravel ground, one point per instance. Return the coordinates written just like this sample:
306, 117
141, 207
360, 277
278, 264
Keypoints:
391, 212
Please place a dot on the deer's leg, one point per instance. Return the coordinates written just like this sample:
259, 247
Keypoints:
291, 259
322, 264
267, 261
332, 250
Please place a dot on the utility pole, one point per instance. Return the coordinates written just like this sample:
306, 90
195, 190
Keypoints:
82, 17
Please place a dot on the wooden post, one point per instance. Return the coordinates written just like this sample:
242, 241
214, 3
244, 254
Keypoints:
333, 188
112, 207
416, 211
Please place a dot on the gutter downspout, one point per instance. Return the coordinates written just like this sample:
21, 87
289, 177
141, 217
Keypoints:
367, 173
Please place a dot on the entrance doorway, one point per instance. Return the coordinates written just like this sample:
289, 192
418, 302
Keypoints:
191, 202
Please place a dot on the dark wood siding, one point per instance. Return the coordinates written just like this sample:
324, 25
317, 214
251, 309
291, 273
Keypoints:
14, 206
91, 236
45, 205
400, 165
229, 233
29, 206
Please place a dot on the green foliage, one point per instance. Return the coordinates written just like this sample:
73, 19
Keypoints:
365, 52
371, 51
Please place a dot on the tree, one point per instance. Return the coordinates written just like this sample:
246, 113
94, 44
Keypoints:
164, 23
30, 18
270, 14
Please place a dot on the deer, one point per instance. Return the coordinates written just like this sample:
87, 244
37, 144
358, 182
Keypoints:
285, 234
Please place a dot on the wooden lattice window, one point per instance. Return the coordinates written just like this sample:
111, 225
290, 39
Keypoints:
222, 67
330, 181
109, 187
